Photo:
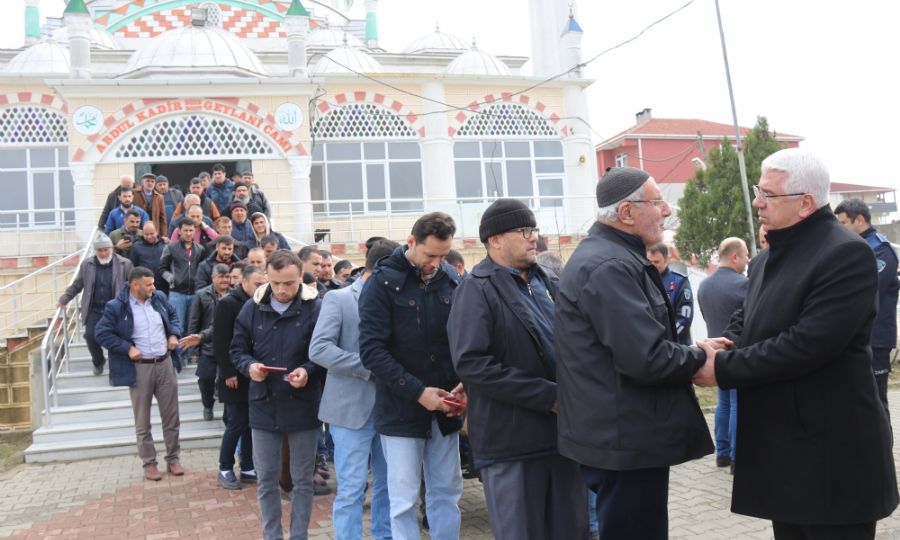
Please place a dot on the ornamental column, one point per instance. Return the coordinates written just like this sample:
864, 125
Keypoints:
301, 195
86, 211
437, 148
580, 163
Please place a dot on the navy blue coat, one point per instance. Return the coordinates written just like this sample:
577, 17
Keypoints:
403, 341
884, 331
263, 335
116, 327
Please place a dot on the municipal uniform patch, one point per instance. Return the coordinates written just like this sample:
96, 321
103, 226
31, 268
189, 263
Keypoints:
687, 294
881, 264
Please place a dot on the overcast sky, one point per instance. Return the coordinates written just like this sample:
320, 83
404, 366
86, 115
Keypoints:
827, 71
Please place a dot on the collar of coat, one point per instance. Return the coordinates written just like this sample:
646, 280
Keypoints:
263, 294
798, 232
395, 269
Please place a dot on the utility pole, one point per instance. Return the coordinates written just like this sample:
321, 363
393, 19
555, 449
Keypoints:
739, 145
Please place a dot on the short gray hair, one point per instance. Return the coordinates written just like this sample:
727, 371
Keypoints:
610, 213
805, 173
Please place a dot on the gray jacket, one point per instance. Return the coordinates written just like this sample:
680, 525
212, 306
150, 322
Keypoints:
200, 320
349, 394
84, 281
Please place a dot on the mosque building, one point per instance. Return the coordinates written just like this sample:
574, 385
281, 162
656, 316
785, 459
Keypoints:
349, 139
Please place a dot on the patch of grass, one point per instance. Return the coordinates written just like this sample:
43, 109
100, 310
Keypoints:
12, 449
708, 398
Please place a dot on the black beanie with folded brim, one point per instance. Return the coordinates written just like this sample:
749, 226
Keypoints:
618, 183
505, 215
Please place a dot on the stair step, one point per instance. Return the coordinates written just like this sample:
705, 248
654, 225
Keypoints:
85, 429
117, 446
100, 394
114, 410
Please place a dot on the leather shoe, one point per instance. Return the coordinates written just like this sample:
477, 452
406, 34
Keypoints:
723, 461
152, 473
207, 414
175, 469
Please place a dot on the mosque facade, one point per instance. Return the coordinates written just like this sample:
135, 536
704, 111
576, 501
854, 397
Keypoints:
347, 138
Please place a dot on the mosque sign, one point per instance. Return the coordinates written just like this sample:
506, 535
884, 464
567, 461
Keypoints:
289, 116
87, 120
118, 129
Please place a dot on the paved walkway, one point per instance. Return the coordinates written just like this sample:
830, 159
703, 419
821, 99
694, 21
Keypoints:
107, 498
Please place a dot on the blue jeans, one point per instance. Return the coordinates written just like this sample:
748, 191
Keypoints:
353, 448
182, 304
267, 458
592, 511
237, 438
726, 423
439, 457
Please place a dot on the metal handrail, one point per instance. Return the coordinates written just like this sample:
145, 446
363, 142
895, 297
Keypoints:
55, 345
50, 267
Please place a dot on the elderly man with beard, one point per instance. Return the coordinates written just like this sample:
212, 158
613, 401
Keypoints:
100, 277
627, 410
242, 195
501, 340
813, 440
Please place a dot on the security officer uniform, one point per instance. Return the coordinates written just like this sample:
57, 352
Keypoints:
682, 298
884, 331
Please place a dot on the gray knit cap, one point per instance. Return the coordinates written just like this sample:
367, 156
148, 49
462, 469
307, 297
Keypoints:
102, 241
618, 183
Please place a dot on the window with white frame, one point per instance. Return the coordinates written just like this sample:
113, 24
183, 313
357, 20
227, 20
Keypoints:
368, 157
34, 168
622, 160
522, 158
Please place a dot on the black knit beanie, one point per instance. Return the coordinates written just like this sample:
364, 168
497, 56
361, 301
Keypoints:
505, 215
618, 183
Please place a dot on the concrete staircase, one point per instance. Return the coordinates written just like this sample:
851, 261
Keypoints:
94, 419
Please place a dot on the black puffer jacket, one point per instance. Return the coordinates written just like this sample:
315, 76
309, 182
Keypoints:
625, 394
223, 330
263, 335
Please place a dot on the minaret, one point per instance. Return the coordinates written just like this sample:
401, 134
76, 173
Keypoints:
296, 26
32, 22
371, 24
571, 45
78, 23
546, 17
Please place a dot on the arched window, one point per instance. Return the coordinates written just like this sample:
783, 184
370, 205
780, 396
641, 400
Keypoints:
368, 156
508, 150
34, 167
186, 138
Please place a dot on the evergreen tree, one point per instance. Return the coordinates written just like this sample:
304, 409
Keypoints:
712, 207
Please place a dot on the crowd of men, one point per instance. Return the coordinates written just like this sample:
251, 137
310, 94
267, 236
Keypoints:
574, 381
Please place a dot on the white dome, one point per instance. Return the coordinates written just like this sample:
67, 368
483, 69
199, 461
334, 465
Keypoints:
329, 38
477, 62
194, 51
340, 59
436, 41
100, 39
43, 57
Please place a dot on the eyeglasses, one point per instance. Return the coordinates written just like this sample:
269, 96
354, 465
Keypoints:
765, 196
527, 232
654, 202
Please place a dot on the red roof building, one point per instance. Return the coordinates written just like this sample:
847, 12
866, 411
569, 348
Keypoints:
669, 149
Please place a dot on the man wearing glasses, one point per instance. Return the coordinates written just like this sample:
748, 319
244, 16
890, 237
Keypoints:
813, 438
627, 410
501, 342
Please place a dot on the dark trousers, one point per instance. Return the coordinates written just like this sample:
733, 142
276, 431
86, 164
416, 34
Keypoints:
630, 504
206, 380
790, 531
541, 498
93, 346
881, 366
237, 429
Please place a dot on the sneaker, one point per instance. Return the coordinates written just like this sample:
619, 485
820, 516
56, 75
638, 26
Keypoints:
322, 468
207, 414
248, 477
227, 480
321, 490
